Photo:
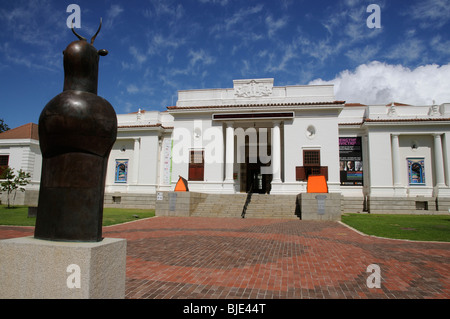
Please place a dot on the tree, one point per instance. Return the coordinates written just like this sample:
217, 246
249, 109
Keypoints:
12, 183
3, 127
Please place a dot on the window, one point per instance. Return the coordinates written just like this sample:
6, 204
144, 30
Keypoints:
311, 166
416, 171
121, 171
311, 158
4, 160
196, 165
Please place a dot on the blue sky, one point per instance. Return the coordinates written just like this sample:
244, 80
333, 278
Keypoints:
157, 47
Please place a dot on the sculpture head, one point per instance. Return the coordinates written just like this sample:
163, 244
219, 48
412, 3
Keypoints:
81, 64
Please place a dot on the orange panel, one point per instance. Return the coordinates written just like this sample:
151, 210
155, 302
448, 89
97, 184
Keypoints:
181, 185
317, 184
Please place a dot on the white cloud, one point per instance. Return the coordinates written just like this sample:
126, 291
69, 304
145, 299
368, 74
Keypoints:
274, 25
164, 7
132, 89
221, 2
33, 23
159, 43
241, 15
282, 63
237, 18
440, 46
200, 56
381, 83
139, 57
410, 50
363, 54
113, 12
430, 13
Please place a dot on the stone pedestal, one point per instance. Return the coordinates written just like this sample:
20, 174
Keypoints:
319, 206
39, 269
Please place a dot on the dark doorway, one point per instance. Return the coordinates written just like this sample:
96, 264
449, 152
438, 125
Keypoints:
257, 157
257, 182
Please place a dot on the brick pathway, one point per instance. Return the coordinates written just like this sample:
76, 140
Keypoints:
174, 257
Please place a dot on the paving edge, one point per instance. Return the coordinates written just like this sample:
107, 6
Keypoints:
407, 240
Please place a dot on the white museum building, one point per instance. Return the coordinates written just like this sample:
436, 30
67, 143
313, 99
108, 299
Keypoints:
260, 138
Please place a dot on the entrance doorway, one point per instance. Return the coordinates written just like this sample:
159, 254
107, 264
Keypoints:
255, 181
252, 178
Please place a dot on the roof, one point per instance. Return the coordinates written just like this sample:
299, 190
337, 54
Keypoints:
427, 119
254, 105
145, 126
27, 131
397, 104
355, 104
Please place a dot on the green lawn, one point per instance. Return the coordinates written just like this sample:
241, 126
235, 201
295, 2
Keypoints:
18, 215
413, 227
113, 216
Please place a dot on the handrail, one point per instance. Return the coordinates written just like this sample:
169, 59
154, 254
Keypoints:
247, 201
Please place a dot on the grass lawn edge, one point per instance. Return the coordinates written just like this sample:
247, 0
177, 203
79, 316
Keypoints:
390, 238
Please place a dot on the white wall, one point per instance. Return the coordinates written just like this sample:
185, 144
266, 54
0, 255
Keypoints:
123, 149
380, 167
141, 149
24, 154
148, 162
424, 150
325, 139
201, 133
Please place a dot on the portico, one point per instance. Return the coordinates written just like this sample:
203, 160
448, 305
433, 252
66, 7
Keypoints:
253, 152
249, 125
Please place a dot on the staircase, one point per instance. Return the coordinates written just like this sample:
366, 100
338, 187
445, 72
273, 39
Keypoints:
221, 205
271, 206
258, 206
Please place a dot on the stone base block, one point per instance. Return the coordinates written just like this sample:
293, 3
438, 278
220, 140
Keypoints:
178, 203
39, 269
319, 206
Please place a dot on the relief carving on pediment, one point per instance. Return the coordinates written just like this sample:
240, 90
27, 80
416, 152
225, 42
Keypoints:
253, 89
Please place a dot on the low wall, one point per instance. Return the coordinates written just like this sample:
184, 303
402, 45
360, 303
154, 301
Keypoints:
124, 200
352, 204
408, 205
29, 198
375, 205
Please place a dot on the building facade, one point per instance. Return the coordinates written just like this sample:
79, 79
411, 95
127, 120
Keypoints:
260, 138
19, 149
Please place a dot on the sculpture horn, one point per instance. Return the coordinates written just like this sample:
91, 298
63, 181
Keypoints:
95, 35
78, 36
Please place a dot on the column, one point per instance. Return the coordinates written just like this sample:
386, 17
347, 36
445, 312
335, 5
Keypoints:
276, 152
136, 155
396, 166
446, 155
229, 157
438, 160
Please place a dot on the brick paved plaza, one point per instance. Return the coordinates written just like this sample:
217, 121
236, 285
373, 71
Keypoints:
195, 257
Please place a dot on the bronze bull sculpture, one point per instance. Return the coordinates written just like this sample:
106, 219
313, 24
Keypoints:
77, 130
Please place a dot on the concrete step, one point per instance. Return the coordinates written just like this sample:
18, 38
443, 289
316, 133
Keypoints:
260, 206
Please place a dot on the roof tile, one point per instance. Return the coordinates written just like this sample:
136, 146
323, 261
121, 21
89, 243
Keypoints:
27, 131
